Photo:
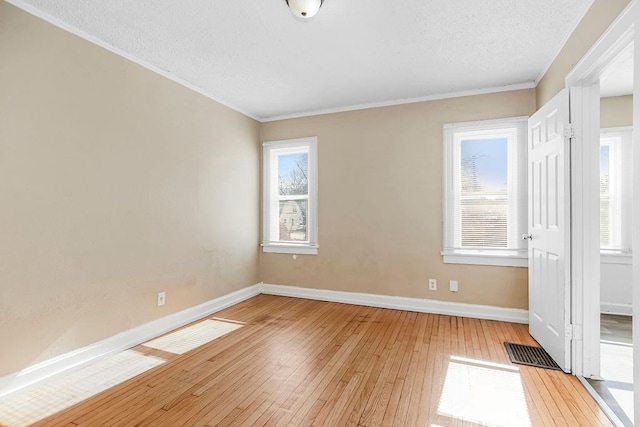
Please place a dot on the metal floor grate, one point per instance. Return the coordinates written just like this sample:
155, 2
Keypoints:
529, 355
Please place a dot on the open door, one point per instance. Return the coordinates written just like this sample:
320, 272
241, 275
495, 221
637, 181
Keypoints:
549, 231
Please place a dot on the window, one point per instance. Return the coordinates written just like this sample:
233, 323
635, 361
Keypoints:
290, 196
615, 190
485, 192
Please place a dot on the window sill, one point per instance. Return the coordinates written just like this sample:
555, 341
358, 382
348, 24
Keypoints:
611, 257
485, 259
290, 249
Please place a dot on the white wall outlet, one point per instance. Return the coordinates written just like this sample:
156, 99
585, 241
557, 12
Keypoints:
433, 285
453, 285
161, 298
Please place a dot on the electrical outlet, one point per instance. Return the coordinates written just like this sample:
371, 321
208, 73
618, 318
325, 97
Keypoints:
433, 285
453, 285
161, 298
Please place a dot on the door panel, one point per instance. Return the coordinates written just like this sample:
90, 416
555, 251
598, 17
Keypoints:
535, 293
549, 229
552, 197
536, 187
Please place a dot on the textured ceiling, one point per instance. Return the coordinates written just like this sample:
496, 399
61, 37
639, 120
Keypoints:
255, 56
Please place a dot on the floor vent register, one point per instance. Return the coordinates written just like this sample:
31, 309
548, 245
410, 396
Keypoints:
531, 356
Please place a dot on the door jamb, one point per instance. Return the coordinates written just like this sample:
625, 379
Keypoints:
584, 101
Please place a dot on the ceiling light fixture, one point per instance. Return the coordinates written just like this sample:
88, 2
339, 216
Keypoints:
304, 8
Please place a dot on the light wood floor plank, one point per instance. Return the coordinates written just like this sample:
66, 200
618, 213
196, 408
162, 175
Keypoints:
302, 362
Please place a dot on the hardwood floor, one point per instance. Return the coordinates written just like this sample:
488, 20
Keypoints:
302, 362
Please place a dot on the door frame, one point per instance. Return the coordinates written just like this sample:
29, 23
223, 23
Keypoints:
584, 101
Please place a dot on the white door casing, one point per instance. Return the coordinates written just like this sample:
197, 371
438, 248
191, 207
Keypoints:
549, 231
582, 82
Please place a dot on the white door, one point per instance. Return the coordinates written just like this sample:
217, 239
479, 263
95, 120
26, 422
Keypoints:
549, 257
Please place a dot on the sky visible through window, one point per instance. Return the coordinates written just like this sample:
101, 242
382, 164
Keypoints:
604, 161
287, 163
484, 164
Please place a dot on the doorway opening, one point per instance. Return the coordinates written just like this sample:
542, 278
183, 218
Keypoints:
601, 87
616, 344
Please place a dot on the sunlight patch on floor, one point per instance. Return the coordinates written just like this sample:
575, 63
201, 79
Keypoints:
65, 390
237, 322
184, 340
624, 399
484, 392
617, 362
617, 370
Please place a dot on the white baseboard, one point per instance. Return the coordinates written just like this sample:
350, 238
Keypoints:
402, 303
155, 328
616, 308
121, 341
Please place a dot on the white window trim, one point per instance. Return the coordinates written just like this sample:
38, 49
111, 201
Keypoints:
303, 248
277, 248
618, 256
613, 257
493, 257
503, 260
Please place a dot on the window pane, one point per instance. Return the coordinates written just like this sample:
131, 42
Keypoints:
293, 220
484, 192
605, 200
293, 172
484, 166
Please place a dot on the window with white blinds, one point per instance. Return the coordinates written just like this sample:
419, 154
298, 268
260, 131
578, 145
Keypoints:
290, 196
485, 192
615, 190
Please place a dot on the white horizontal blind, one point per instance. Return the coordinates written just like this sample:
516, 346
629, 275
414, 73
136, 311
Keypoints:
485, 193
615, 187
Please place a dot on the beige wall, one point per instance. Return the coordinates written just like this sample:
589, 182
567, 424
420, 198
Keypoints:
115, 184
601, 14
616, 111
380, 203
